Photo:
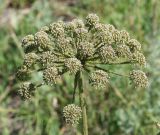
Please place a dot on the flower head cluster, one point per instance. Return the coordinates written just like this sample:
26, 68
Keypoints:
123, 51
107, 53
50, 75
79, 46
27, 90
47, 58
92, 19
139, 58
73, 65
72, 114
42, 40
86, 49
30, 59
99, 78
28, 43
139, 78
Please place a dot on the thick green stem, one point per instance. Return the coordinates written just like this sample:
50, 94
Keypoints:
84, 114
83, 105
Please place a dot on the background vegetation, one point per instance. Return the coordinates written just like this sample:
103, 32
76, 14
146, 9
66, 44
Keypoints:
119, 110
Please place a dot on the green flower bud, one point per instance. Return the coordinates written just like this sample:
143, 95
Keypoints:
124, 36
50, 75
123, 51
104, 27
61, 23
116, 36
22, 73
27, 90
86, 49
64, 46
92, 19
48, 58
105, 37
42, 40
45, 29
99, 79
30, 59
28, 43
78, 23
134, 45
107, 53
139, 58
81, 34
57, 30
99, 27
70, 26
73, 65
72, 114
109, 27
139, 78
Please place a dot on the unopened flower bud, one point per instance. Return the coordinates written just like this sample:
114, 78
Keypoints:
134, 45
57, 30
86, 49
139, 78
48, 58
42, 40
107, 53
81, 34
139, 58
99, 79
99, 27
124, 36
28, 43
73, 65
70, 27
22, 73
105, 37
109, 27
78, 23
92, 19
45, 29
123, 51
30, 59
72, 114
116, 36
50, 75
64, 46
27, 90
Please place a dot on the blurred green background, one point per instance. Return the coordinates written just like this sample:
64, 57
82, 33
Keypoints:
121, 110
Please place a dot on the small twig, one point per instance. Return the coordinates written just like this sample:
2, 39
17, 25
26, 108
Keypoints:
75, 87
91, 59
118, 63
41, 69
39, 85
125, 62
109, 71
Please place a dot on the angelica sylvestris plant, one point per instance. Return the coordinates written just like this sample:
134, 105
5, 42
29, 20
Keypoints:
79, 47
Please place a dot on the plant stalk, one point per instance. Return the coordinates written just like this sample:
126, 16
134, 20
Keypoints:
84, 114
83, 105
